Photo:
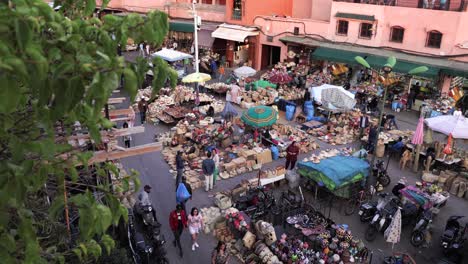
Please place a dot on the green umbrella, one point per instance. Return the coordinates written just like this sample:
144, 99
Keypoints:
259, 116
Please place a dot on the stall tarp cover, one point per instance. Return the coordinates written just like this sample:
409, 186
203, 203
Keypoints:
336, 171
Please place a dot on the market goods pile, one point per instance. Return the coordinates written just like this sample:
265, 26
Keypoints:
340, 130
194, 138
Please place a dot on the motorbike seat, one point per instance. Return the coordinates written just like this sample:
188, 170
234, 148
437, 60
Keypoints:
449, 234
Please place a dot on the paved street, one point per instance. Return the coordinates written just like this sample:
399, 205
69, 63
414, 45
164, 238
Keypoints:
155, 172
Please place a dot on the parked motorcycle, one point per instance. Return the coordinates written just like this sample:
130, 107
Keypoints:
158, 242
148, 215
257, 202
422, 226
369, 209
454, 235
381, 173
141, 250
383, 217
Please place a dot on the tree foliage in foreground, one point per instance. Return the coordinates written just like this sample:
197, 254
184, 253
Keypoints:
61, 67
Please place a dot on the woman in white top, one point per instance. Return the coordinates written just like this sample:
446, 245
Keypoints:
195, 225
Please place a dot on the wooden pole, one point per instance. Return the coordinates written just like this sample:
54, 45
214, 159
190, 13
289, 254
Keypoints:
416, 158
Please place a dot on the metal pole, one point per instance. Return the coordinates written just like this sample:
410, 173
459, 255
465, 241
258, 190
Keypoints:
379, 126
195, 34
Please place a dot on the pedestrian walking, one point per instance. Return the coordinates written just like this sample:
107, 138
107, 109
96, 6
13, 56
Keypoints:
177, 222
214, 69
220, 254
291, 155
208, 167
216, 161
180, 168
195, 224
189, 190
142, 107
127, 138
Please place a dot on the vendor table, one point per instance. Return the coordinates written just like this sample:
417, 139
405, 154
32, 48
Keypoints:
443, 161
266, 181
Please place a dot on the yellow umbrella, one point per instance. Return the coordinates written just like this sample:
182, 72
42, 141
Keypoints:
196, 77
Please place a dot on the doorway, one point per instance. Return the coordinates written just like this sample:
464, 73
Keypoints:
270, 55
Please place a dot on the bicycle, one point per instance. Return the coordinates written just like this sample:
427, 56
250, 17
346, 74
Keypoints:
363, 197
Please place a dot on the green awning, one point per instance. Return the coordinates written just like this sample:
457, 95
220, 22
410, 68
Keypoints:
402, 66
454, 72
355, 16
335, 55
181, 27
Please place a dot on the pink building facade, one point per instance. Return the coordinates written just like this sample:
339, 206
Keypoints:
429, 32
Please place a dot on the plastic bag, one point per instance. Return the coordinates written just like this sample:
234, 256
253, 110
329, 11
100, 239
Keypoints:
182, 193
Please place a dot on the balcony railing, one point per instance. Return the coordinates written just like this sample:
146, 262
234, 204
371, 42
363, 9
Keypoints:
447, 5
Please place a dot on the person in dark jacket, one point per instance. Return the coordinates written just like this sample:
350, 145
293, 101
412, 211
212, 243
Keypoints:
177, 222
210, 112
291, 155
373, 133
142, 107
208, 167
180, 167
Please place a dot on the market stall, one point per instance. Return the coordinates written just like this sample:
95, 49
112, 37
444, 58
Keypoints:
173, 56
335, 173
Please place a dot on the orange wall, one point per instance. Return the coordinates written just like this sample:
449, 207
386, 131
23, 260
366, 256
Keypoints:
253, 8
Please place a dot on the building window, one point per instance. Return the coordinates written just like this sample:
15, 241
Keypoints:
221, 2
434, 38
237, 10
209, 2
342, 27
365, 31
397, 34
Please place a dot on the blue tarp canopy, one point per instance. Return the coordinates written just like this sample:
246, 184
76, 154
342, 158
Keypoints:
336, 171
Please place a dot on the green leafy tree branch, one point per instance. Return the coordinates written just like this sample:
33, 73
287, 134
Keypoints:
57, 68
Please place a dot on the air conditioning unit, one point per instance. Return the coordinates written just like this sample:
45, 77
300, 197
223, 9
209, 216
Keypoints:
269, 38
296, 30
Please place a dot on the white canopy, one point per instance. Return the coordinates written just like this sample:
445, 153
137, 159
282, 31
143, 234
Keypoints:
449, 124
316, 92
171, 55
234, 32
245, 71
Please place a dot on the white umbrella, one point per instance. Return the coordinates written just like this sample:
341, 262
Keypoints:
449, 124
393, 232
245, 71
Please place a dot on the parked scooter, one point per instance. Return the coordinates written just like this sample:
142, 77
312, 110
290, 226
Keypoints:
148, 215
381, 219
381, 173
158, 242
454, 236
368, 210
421, 228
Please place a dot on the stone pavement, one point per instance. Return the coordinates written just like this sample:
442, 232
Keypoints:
155, 172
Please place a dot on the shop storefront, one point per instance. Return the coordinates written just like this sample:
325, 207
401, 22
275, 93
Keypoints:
240, 44
181, 33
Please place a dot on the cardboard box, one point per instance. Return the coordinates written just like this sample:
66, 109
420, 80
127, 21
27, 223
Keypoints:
280, 170
264, 157
248, 154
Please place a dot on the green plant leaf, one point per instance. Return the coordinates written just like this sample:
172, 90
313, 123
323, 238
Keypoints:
23, 33
362, 61
130, 83
78, 253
